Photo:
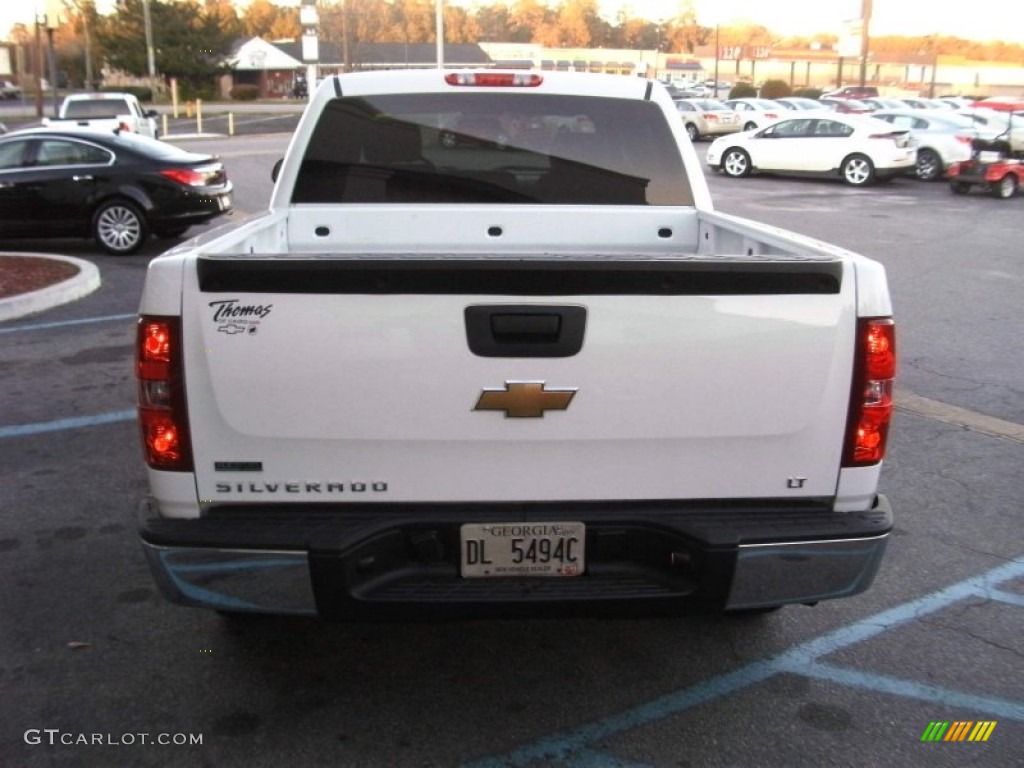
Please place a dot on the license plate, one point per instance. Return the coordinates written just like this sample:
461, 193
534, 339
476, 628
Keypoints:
522, 549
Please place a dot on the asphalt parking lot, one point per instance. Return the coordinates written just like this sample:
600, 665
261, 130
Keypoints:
87, 647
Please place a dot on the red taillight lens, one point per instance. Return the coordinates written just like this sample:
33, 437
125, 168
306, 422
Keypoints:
186, 176
963, 139
494, 79
871, 400
161, 396
154, 354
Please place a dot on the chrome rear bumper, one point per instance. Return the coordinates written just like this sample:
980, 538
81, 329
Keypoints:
370, 576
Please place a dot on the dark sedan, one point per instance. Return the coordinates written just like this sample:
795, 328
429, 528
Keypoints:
115, 187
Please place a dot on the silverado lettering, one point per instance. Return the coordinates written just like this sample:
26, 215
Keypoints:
375, 487
450, 257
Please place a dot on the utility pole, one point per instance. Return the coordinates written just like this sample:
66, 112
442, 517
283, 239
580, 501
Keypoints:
718, 52
865, 19
309, 18
439, 31
54, 18
150, 53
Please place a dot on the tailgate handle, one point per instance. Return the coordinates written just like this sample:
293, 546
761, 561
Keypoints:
525, 330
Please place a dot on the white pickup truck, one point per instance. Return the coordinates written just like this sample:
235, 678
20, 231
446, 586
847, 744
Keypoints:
104, 112
491, 352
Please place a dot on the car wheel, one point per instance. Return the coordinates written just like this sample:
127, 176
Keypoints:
750, 126
1006, 187
119, 227
929, 165
692, 132
959, 187
857, 170
736, 163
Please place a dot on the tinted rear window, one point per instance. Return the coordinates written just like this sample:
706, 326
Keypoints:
492, 148
96, 108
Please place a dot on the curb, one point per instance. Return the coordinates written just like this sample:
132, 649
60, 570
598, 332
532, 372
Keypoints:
85, 282
191, 136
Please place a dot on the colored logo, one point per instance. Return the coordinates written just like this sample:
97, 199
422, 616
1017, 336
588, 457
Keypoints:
959, 730
524, 399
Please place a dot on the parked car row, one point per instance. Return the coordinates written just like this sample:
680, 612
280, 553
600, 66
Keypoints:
941, 136
862, 149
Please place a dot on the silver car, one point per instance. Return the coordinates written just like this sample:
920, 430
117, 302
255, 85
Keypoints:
942, 138
757, 113
707, 117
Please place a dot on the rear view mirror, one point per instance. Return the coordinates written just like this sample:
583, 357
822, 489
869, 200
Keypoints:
276, 170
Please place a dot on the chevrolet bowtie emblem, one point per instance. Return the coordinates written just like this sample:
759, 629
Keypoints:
524, 399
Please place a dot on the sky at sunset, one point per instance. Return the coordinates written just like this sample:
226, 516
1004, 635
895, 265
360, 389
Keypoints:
981, 20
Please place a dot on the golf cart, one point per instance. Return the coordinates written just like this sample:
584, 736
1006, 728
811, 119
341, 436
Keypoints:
993, 167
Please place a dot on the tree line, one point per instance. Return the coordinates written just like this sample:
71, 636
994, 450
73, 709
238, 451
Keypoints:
193, 38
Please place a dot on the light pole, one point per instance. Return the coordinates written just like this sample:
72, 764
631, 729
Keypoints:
439, 31
150, 53
714, 93
865, 17
53, 18
310, 21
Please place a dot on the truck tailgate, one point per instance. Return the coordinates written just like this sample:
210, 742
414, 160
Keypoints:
343, 379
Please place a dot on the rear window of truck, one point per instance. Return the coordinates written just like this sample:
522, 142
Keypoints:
83, 109
492, 148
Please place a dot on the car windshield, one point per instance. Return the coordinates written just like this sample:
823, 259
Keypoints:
492, 148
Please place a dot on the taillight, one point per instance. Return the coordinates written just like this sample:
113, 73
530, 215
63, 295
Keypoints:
494, 79
964, 139
187, 176
871, 396
163, 418
899, 138
122, 126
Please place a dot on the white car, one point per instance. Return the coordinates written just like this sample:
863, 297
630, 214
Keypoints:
942, 138
854, 148
757, 113
797, 103
707, 117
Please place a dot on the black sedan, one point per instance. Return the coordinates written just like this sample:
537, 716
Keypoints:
115, 187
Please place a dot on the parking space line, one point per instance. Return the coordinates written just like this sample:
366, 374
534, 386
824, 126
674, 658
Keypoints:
590, 759
75, 422
803, 659
1006, 597
66, 323
855, 678
961, 417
